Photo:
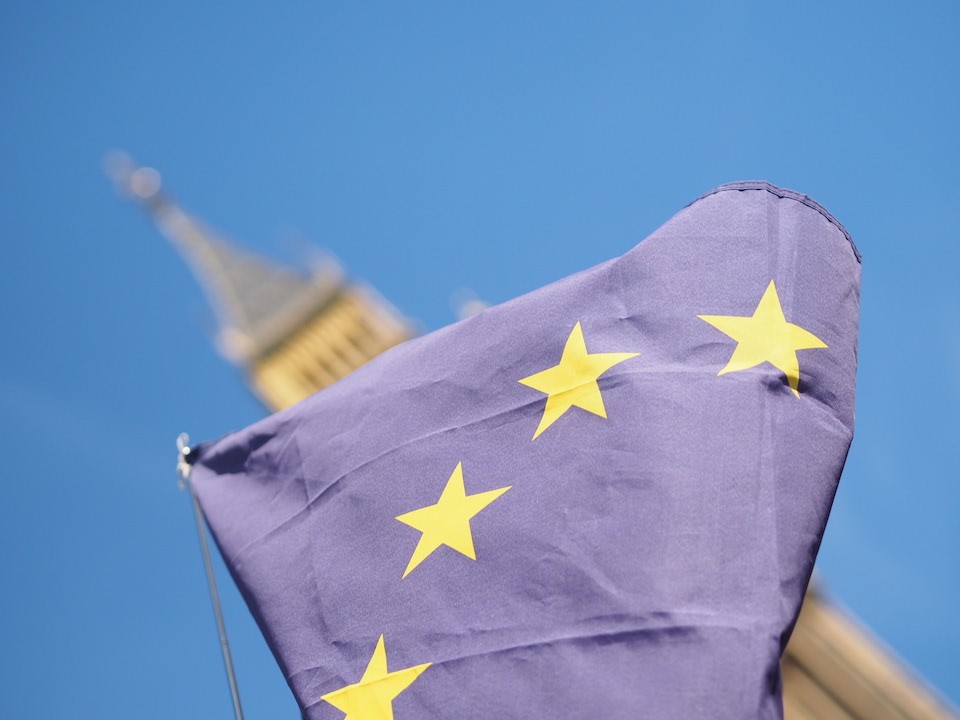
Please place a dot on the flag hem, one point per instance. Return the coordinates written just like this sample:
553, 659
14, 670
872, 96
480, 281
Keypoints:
788, 195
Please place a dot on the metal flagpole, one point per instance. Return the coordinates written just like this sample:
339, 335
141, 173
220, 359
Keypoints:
183, 467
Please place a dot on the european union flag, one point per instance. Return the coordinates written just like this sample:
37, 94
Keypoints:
599, 500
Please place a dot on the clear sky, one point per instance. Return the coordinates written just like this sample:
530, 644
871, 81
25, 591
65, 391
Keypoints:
432, 146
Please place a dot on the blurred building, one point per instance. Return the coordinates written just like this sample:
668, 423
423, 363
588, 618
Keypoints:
291, 331
295, 332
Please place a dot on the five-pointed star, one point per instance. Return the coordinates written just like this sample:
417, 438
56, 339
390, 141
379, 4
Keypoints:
574, 381
766, 336
372, 697
448, 522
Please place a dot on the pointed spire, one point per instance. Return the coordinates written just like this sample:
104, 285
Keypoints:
294, 332
257, 302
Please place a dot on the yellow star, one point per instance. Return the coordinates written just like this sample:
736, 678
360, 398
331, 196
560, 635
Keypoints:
574, 381
372, 697
766, 336
448, 522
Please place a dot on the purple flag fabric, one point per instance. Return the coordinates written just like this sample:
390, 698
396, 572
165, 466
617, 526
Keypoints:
600, 500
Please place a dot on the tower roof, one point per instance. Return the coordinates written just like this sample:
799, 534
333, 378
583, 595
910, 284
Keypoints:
257, 302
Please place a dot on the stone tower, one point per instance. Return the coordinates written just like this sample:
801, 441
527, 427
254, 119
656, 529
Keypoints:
292, 332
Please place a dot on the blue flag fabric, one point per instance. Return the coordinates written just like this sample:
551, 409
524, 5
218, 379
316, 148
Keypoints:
600, 500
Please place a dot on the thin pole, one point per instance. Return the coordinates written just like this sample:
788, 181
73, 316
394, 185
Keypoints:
183, 467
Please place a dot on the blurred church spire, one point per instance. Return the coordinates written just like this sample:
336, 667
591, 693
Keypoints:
294, 331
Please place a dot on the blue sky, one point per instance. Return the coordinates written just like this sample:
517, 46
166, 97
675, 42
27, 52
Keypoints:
431, 146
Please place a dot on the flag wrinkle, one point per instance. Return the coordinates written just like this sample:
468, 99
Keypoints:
511, 414
229, 454
673, 630
334, 483
768, 474
282, 485
243, 451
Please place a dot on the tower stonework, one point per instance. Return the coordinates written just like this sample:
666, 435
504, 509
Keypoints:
295, 333
354, 326
835, 669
